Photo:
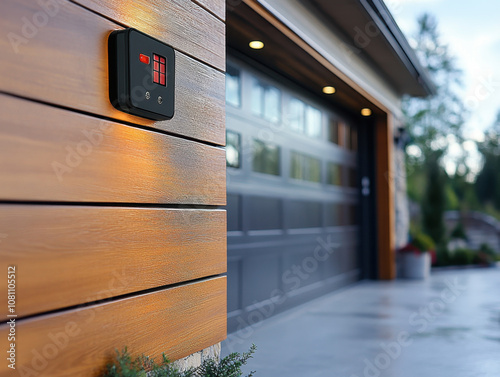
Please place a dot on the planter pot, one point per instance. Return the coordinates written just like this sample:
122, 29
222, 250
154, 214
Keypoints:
416, 265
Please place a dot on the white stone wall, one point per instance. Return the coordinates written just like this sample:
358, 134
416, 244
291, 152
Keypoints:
401, 204
195, 360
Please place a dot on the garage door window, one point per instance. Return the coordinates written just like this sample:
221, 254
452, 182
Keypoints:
296, 115
266, 158
233, 87
304, 119
334, 174
333, 131
313, 122
233, 149
266, 101
352, 138
305, 168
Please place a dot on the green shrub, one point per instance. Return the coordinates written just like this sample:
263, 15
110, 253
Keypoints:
422, 242
143, 366
452, 200
124, 366
443, 257
459, 232
486, 254
487, 249
434, 200
462, 257
229, 366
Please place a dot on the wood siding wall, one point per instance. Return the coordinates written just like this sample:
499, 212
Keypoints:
112, 221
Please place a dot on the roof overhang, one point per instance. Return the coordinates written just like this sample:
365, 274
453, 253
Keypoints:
298, 59
368, 26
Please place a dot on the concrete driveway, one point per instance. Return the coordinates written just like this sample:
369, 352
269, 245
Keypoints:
448, 325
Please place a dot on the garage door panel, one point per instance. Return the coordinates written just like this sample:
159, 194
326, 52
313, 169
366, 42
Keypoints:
264, 213
303, 214
233, 284
260, 276
301, 268
233, 212
293, 189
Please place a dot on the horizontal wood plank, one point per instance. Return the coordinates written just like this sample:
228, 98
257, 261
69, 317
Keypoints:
79, 343
217, 7
74, 255
50, 154
65, 62
183, 24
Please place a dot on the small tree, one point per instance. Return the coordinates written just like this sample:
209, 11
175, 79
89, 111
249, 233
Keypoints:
434, 201
488, 180
432, 121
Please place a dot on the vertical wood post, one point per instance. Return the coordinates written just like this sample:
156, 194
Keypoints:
385, 199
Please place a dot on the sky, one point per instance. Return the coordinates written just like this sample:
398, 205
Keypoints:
472, 31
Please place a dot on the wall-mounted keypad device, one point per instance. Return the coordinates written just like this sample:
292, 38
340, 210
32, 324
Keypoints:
141, 74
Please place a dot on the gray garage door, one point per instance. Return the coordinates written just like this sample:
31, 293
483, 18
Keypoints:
292, 196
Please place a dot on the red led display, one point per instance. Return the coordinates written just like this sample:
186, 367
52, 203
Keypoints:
159, 68
144, 58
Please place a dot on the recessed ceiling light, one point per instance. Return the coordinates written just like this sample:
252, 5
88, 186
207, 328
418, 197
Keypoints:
256, 45
366, 112
328, 90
